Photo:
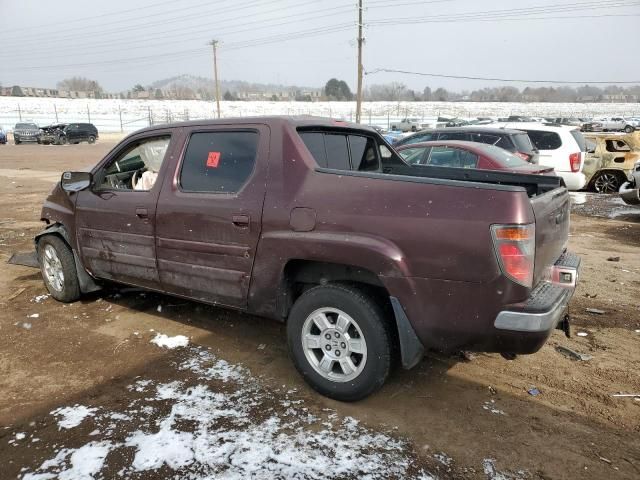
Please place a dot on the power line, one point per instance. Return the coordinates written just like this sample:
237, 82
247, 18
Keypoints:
492, 79
263, 24
74, 34
504, 13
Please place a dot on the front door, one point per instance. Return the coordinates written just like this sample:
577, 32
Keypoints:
209, 214
115, 219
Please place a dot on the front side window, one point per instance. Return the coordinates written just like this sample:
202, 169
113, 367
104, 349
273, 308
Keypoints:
218, 162
363, 153
136, 168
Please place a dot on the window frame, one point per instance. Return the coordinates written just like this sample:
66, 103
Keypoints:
101, 167
189, 134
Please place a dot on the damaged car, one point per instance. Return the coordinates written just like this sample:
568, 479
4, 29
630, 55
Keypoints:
630, 191
51, 133
610, 160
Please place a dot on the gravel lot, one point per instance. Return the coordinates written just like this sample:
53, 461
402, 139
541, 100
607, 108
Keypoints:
85, 393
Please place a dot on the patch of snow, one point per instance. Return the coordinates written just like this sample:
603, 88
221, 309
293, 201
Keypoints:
33, 315
443, 458
165, 341
492, 473
224, 427
73, 416
20, 436
84, 463
491, 407
26, 325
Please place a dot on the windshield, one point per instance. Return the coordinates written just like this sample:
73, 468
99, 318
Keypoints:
26, 126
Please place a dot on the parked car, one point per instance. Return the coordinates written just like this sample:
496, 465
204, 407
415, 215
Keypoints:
456, 154
319, 224
571, 121
26, 132
78, 132
406, 125
610, 160
608, 124
3, 136
559, 146
51, 133
512, 140
630, 191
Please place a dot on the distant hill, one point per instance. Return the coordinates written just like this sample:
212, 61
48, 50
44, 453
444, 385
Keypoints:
204, 84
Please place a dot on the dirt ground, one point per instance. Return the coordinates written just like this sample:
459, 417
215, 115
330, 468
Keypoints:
452, 415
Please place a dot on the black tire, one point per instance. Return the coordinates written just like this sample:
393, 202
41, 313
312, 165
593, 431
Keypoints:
608, 182
70, 287
629, 129
91, 139
62, 140
17, 142
376, 332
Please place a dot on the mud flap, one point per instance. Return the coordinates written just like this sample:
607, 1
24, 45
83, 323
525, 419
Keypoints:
411, 348
565, 325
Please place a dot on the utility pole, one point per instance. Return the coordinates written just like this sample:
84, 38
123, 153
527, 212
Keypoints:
214, 44
360, 41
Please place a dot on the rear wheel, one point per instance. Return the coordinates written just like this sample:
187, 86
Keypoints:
58, 268
62, 140
340, 342
607, 182
91, 139
629, 129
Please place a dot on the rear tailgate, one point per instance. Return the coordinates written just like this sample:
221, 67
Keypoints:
551, 211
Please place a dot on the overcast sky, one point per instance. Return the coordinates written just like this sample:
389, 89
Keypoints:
120, 43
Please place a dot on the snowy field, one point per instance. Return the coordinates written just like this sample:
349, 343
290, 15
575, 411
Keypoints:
215, 420
129, 115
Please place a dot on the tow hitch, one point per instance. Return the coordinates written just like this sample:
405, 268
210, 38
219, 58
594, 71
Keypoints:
565, 326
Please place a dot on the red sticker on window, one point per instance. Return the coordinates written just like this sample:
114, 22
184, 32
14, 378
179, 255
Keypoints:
213, 159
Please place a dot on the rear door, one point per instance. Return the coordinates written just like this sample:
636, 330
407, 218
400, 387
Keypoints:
209, 214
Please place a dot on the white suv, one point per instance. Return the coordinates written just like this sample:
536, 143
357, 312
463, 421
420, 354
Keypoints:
560, 146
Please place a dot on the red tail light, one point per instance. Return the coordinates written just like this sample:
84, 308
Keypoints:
574, 160
523, 156
515, 249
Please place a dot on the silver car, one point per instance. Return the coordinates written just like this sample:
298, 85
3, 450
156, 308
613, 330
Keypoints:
26, 132
630, 191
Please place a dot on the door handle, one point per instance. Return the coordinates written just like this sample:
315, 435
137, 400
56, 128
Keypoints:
142, 213
241, 221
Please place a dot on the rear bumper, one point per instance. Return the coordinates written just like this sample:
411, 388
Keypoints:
573, 181
548, 302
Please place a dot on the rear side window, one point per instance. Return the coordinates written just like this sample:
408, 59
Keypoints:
452, 136
413, 156
342, 152
337, 151
218, 161
579, 138
418, 138
452, 157
363, 153
522, 142
545, 140
485, 138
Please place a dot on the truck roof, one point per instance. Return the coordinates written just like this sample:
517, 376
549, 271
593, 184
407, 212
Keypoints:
295, 121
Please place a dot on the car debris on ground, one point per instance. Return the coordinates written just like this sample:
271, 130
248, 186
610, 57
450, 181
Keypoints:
573, 355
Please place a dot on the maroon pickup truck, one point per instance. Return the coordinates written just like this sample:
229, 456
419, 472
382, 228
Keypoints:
319, 224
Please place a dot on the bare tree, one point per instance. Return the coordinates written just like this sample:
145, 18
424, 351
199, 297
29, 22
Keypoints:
80, 84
